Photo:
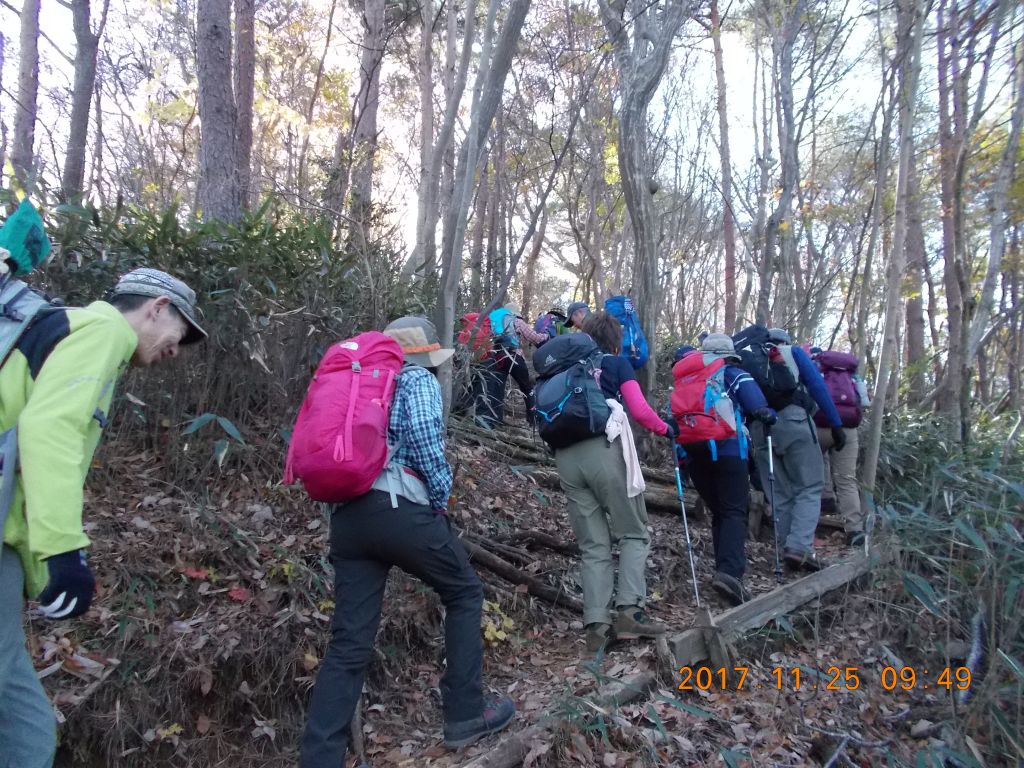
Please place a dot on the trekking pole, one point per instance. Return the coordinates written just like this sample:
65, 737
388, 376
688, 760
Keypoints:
686, 528
771, 500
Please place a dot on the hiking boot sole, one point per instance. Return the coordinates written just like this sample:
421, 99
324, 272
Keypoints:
729, 594
470, 740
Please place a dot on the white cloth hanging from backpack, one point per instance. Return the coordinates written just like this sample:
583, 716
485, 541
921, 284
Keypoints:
618, 427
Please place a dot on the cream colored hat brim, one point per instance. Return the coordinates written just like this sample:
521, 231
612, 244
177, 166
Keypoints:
417, 348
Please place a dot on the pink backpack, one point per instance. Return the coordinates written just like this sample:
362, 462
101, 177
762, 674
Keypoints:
339, 445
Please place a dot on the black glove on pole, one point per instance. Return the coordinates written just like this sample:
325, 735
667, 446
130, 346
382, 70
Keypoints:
69, 591
839, 438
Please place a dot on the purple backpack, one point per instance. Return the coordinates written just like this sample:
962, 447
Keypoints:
837, 368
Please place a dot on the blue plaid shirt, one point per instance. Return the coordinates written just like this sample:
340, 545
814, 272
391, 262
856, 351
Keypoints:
416, 426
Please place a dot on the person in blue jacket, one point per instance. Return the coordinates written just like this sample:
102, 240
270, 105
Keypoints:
719, 472
798, 462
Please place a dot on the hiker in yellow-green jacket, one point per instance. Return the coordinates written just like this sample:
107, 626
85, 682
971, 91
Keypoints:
55, 388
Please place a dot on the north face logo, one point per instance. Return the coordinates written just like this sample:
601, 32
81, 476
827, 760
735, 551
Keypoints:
549, 360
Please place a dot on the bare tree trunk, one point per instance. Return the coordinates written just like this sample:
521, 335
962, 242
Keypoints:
364, 141
728, 225
424, 255
916, 255
426, 73
86, 46
530, 283
219, 193
997, 209
641, 63
948, 401
487, 93
476, 246
314, 97
909, 32
245, 84
23, 148
96, 184
780, 223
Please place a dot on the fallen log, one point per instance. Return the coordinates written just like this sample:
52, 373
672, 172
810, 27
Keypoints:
690, 646
526, 538
502, 549
509, 572
512, 750
660, 499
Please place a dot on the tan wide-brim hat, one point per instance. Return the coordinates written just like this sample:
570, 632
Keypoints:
419, 341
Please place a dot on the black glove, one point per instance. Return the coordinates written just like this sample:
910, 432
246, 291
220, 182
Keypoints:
766, 416
70, 588
673, 429
839, 438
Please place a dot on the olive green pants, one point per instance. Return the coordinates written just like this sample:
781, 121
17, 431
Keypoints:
593, 477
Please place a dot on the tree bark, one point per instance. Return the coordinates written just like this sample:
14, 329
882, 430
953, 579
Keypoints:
314, 97
997, 209
487, 95
426, 73
364, 135
245, 84
424, 256
948, 400
779, 233
219, 192
916, 255
909, 32
86, 47
642, 47
530, 283
728, 225
23, 147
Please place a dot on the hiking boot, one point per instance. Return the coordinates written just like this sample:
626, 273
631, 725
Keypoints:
498, 713
598, 636
855, 538
631, 623
730, 588
802, 561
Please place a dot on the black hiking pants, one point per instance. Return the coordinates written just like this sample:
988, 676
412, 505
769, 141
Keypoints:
495, 371
725, 487
368, 537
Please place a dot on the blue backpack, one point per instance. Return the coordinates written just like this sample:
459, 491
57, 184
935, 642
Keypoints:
502, 330
634, 343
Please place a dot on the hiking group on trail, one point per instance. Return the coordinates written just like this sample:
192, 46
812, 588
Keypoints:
369, 441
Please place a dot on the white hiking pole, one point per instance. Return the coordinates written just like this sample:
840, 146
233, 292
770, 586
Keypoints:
686, 528
771, 500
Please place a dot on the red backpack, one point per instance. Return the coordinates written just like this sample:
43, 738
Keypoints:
481, 345
700, 405
340, 442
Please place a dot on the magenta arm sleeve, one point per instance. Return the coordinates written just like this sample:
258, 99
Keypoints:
638, 408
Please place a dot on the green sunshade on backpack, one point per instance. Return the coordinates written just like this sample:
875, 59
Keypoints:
24, 239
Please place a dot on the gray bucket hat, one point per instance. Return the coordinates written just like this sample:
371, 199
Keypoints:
719, 344
779, 336
419, 341
155, 283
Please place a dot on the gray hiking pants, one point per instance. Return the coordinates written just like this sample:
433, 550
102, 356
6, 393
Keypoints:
592, 474
28, 728
798, 476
